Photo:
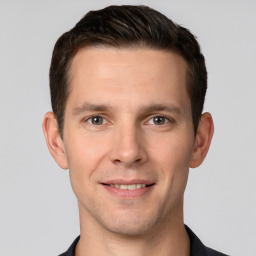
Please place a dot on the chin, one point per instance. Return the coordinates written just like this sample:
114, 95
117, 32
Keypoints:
131, 230
136, 225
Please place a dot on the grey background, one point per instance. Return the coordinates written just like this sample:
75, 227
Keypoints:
38, 211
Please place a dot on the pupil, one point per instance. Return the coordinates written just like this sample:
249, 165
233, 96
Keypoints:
97, 120
159, 120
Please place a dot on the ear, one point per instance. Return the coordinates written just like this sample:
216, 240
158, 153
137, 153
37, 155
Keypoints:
203, 140
53, 140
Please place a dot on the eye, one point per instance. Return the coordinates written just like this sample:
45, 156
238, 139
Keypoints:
96, 120
159, 120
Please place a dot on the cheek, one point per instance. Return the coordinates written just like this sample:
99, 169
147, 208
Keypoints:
83, 161
172, 157
173, 150
84, 155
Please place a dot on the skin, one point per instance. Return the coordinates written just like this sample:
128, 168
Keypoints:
144, 131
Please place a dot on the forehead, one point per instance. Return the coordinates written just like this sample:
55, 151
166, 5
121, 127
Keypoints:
137, 75
141, 58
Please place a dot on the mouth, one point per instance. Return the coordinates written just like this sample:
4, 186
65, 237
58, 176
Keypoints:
128, 189
128, 186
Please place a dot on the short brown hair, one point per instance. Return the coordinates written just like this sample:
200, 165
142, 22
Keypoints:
127, 26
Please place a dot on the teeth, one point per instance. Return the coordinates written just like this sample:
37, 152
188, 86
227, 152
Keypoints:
129, 187
132, 186
138, 186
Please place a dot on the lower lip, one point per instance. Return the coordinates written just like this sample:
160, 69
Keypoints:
126, 193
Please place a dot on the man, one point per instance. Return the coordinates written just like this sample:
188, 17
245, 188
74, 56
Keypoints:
127, 91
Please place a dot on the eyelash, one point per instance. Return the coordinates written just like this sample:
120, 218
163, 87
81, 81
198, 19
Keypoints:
167, 120
91, 118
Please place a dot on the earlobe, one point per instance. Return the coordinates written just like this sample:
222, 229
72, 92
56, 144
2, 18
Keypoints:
203, 140
53, 140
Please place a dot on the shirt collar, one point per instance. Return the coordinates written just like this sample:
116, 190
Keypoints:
197, 248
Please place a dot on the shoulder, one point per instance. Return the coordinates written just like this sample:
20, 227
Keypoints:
197, 248
71, 249
212, 252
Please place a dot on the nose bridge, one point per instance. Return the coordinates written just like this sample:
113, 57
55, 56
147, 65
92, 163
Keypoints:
128, 147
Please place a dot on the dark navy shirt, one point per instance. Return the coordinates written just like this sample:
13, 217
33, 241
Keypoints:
197, 248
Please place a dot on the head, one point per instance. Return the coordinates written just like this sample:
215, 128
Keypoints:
127, 27
127, 88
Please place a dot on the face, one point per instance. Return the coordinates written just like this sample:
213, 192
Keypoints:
128, 137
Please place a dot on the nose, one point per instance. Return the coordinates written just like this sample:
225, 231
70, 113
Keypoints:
128, 147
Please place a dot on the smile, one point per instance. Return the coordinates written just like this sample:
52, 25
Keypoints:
130, 190
129, 187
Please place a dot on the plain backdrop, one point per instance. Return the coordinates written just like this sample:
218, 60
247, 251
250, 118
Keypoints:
38, 211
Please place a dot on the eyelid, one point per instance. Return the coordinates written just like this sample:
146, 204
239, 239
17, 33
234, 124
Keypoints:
167, 118
85, 120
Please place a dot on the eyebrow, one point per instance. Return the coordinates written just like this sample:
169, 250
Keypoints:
161, 107
88, 107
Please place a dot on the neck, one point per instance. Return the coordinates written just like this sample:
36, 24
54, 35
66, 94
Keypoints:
168, 239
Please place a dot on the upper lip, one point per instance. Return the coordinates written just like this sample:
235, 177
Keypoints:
128, 182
